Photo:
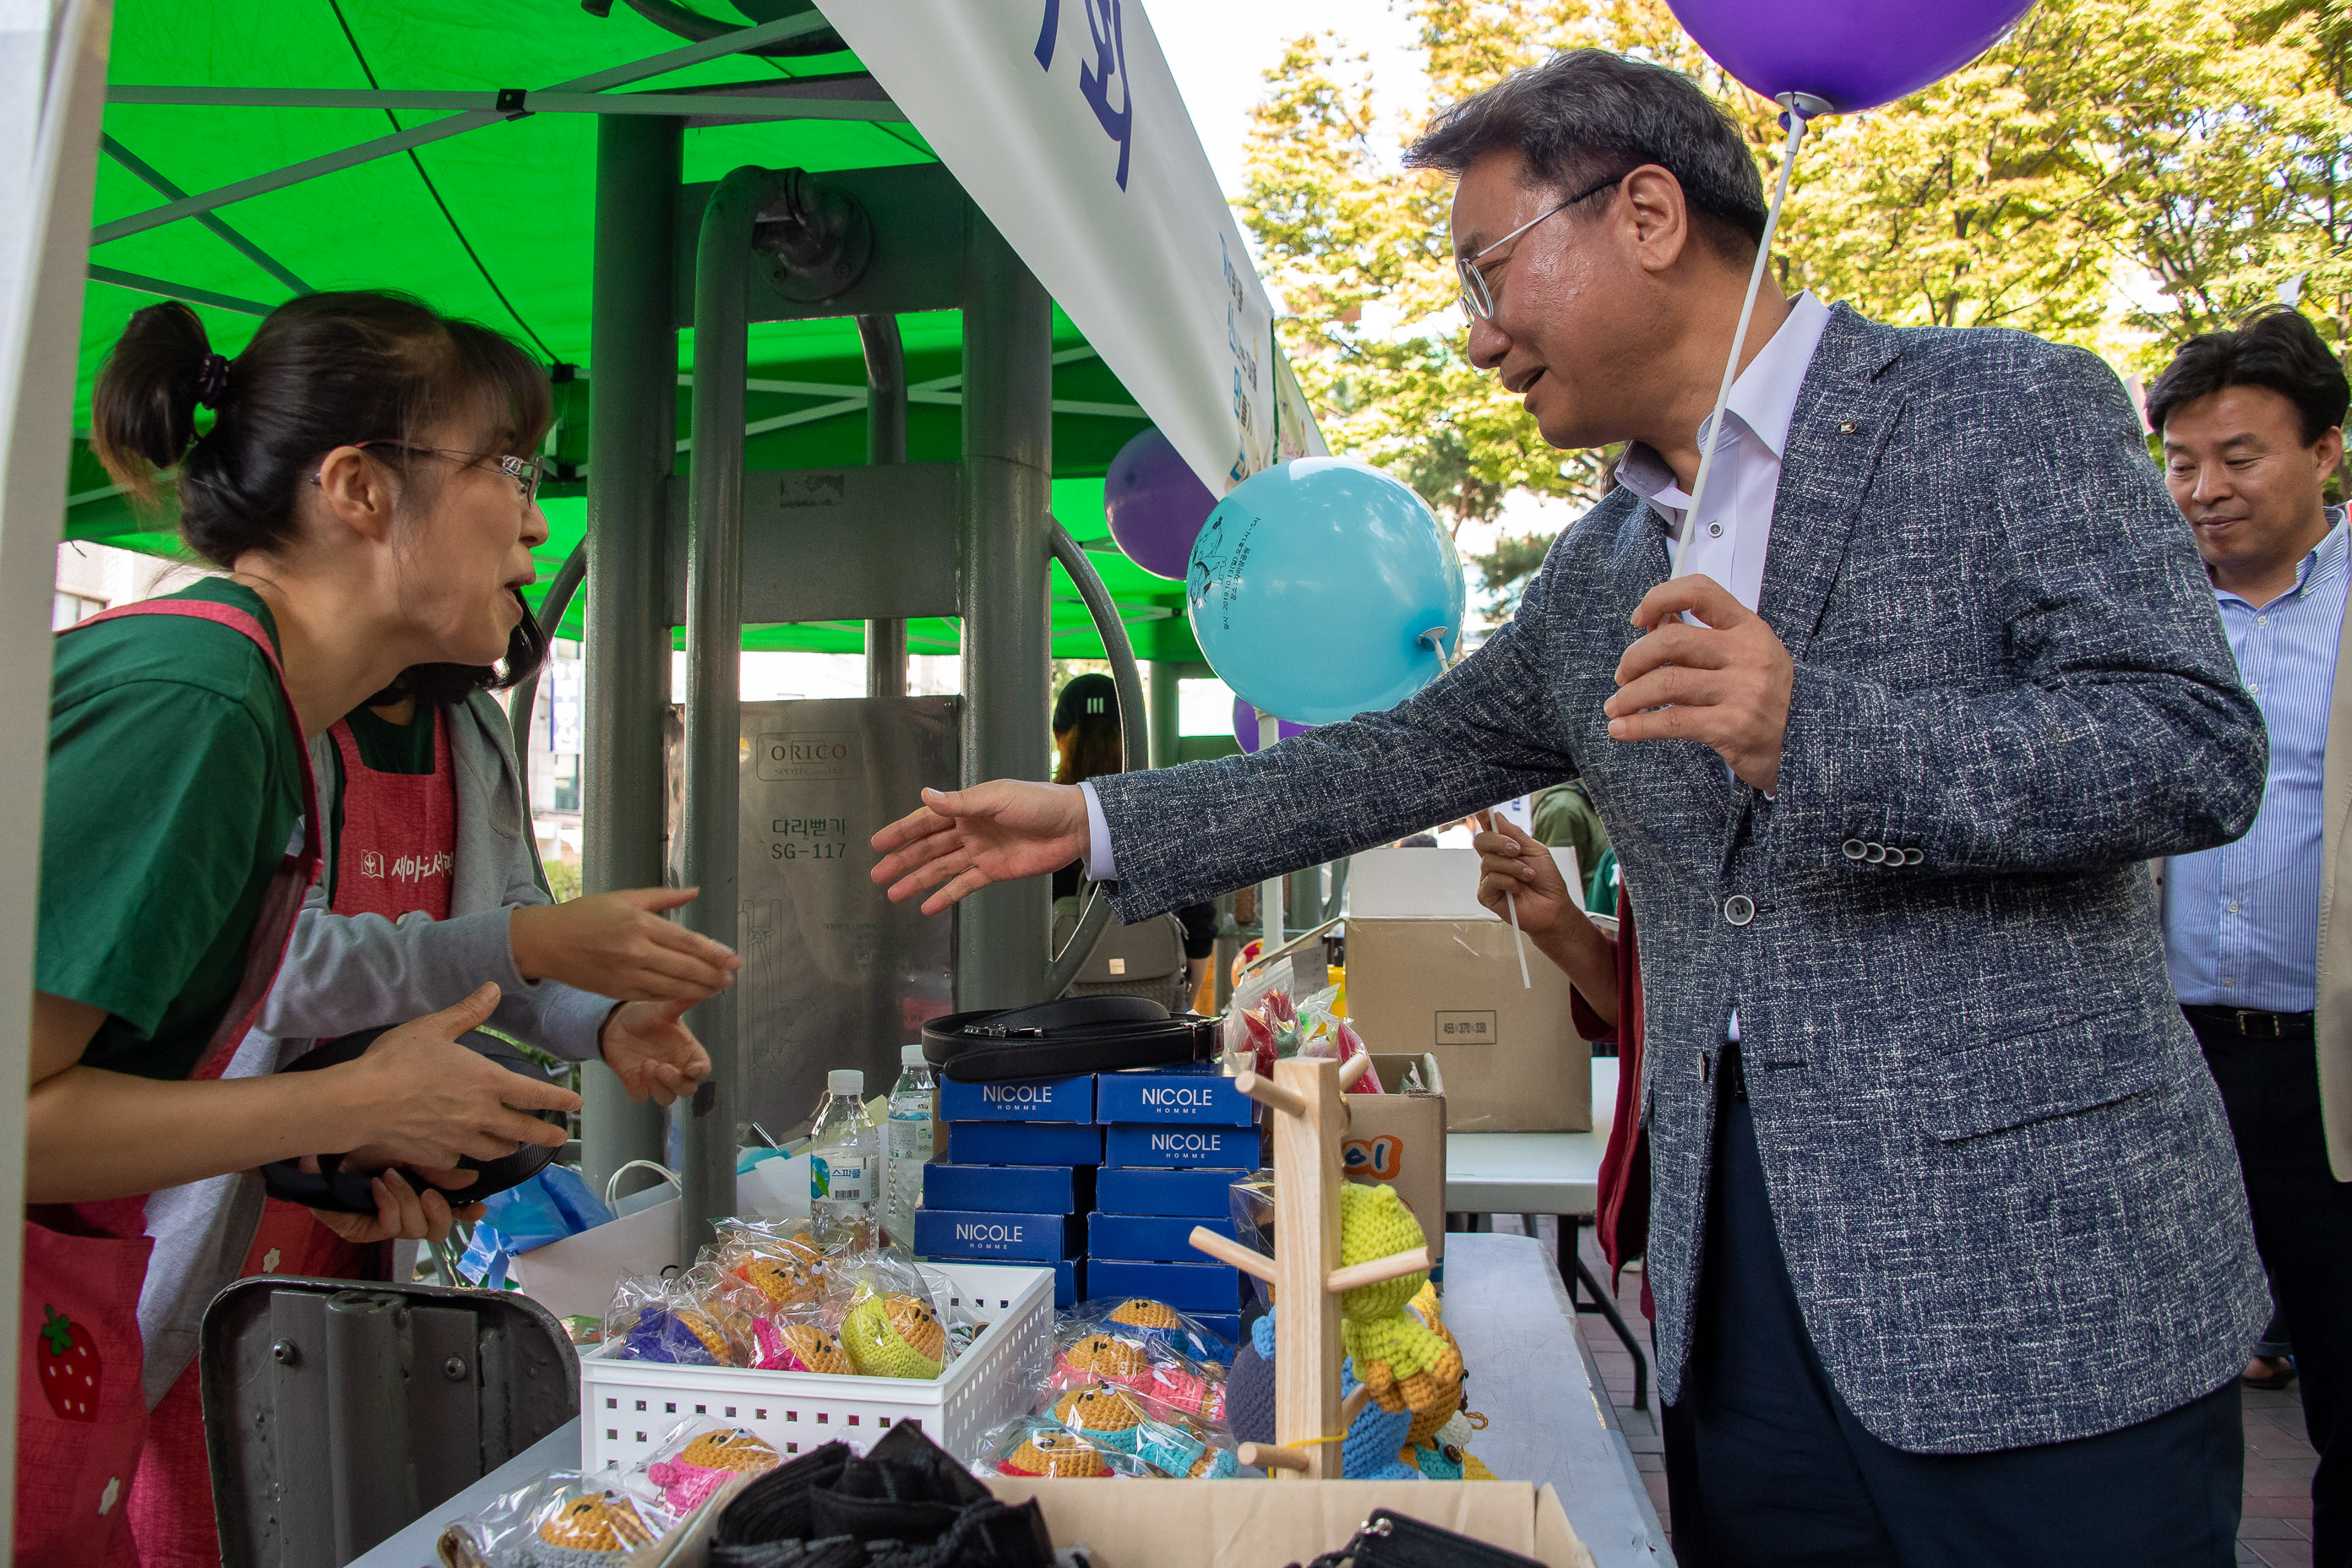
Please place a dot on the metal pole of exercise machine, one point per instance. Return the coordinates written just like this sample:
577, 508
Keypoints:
1167, 676
886, 442
632, 359
714, 665
1002, 933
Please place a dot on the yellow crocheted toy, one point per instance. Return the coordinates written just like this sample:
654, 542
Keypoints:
893, 1336
1405, 1365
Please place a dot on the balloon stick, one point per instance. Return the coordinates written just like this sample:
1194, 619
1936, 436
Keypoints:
1269, 892
1519, 941
1798, 105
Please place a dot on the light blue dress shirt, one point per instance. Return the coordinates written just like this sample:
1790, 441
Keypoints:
2242, 922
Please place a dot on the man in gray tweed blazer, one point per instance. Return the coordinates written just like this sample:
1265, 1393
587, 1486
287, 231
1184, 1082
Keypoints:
1949, 1244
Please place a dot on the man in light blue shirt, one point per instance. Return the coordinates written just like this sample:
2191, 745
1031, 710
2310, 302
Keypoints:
2251, 422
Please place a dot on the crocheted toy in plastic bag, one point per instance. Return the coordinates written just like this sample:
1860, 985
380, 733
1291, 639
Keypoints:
702, 1456
1405, 1366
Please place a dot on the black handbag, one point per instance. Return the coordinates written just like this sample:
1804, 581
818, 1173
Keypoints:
340, 1190
1392, 1539
1060, 1039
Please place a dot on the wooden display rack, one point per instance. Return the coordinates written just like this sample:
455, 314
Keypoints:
1310, 1118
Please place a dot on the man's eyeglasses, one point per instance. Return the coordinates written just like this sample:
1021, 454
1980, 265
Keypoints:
526, 472
1478, 298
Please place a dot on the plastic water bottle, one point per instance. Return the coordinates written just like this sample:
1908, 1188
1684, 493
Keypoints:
844, 1158
907, 1146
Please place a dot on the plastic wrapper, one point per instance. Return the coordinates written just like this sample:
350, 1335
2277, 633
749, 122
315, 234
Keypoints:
561, 1519
688, 1466
782, 1262
680, 1320
1153, 1320
1167, 1444
1137, 1360
889, 1326
1041, 1446
1264, 1026
1251, 1203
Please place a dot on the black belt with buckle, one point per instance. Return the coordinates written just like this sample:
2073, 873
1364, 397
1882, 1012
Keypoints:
2252, 1021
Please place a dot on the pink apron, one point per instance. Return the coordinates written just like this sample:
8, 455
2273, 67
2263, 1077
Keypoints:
82, 1414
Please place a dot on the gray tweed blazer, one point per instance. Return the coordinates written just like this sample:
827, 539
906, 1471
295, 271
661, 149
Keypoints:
2000, 1171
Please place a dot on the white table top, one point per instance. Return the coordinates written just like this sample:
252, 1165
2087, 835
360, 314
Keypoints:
1533, 1172
1505, 1305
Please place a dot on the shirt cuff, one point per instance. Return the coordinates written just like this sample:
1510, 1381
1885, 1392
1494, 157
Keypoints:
1101, 867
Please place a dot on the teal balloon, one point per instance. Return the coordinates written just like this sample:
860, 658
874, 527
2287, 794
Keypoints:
1321, 588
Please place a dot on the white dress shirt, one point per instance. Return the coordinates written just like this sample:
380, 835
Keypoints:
1729, 542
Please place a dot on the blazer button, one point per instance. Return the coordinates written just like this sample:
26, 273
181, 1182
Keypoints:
1913, 857
1875, 854
1740, 908
1854, 849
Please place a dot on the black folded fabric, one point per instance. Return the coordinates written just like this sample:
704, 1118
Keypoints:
906, 1504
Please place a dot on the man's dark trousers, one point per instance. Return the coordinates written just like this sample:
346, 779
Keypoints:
1765, 1465
2303, 1224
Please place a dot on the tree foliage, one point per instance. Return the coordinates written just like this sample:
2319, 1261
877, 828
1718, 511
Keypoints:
2118, 174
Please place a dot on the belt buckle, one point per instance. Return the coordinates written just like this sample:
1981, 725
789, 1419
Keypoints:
2274, 1033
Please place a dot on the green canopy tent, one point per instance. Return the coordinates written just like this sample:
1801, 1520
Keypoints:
496, 223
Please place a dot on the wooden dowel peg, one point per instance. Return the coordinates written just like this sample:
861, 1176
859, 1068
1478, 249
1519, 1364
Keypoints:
1224, 1249
1269, 1095
1353, 1406
1267, 1456
1354, 1069
1390, 1268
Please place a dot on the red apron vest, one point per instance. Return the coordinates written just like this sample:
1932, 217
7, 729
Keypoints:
82, 1414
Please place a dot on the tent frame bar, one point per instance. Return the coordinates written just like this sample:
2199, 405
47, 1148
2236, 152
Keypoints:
456, 125
514, 104
187, 291
213, 221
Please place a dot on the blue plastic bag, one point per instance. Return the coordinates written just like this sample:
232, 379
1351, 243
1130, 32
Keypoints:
553, 1205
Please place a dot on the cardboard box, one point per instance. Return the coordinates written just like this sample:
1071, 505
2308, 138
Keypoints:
1193, 1095
1069, 1275
1398, 1140
1151, 1238
1205, 1194
1023, 1143
1009, 1189
1023, 1099
1161, 1146
1512, 1059
1214, 1524
1193, 1287
987, 1238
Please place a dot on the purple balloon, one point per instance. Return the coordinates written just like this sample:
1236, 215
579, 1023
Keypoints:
1156, 504
1245, 726
1856, 54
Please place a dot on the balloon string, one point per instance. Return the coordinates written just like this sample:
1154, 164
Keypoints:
1739, 337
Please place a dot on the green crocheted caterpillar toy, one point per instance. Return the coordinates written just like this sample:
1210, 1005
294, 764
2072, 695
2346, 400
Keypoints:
1405, 1365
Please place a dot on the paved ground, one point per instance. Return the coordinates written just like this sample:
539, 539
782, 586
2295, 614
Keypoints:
2275, 1531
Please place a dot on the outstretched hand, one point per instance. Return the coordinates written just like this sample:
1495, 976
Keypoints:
961, 840
1725, 684
651, 1050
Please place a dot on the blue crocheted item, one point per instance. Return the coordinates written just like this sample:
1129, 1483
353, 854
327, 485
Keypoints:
1370, 1453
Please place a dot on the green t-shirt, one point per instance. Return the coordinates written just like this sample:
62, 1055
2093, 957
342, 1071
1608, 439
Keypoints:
174, 785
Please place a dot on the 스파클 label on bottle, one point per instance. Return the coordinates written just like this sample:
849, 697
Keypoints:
841, 1176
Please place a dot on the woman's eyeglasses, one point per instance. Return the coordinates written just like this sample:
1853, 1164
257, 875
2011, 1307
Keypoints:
526, 472
1477, 297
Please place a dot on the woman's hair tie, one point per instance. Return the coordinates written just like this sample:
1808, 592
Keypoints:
212, 382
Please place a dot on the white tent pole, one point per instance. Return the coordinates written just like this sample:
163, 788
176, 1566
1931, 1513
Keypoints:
1800, 106
49, 125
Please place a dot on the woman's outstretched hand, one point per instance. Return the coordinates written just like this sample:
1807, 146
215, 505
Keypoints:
996, 832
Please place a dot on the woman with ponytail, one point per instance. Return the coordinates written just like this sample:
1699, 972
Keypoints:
365, 481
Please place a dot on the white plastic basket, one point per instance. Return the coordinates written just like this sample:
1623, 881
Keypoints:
627, 1407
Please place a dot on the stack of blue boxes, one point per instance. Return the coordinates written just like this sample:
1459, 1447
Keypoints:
1018, 1178
1174, 1143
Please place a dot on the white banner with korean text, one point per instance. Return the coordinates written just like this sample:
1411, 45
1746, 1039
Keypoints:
1061, 118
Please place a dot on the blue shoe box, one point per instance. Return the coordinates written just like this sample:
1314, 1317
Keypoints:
1069, 1273
1010, 1189
1228, 1324
1201, 1194
1024, 1143
1167, 1145
1192, 1096
1023, 1099
993, 1237
1149, 1238
1189, 1287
